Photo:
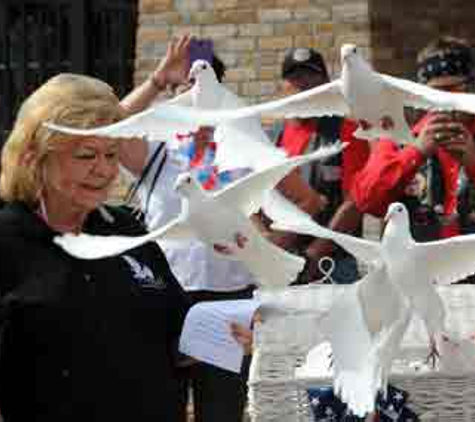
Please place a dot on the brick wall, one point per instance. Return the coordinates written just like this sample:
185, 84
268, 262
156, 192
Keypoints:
399, 28
251, 36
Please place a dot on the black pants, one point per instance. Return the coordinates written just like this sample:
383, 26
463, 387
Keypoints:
218, 395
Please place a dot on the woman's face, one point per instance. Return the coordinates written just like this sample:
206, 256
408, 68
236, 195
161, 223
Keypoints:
79, 173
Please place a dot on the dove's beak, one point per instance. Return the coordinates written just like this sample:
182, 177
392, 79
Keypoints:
387, 217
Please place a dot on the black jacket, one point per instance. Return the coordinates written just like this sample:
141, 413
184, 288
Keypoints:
85, 340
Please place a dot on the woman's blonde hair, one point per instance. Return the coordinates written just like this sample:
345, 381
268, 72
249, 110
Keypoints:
66, 99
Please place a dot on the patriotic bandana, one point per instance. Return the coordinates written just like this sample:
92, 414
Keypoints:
456, 62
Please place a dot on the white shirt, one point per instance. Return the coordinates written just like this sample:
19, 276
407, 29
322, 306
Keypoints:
194, 264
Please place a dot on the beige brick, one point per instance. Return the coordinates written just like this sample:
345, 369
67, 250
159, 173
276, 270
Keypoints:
236, 16
271, 57
206, 17
247, 58
324, 27
305, 41
258, 89
351, 12
312, 14
275, 43
154, 6
187, 5
195, 30
236, 44
292, 3
256, 29
172, 18
226, 4
240, 74
148, 34
230, 58
293, 28
220, 31
269, 73
274, 15
324, 41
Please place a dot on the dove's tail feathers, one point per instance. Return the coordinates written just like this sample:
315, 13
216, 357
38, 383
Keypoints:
357, 389
276, 269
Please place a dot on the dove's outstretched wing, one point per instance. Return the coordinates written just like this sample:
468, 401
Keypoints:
88, 246
323, 100
163, 122
244, 144
424, 97
248, 193
447, 260
288, 217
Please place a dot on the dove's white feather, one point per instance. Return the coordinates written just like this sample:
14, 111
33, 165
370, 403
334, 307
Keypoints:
424, 97
448, 260
322, 100
249, 193
368, 317
216, 219
88, 246
404, 285
288, 217
163, 122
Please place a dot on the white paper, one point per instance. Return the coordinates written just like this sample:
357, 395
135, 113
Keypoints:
206, 333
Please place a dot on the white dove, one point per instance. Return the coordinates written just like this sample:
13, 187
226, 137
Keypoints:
406, 271
218, 219
374, 99
242, 142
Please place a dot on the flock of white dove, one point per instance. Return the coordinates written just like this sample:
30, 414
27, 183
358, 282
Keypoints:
403, 273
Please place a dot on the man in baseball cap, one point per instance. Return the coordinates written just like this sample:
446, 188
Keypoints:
304, 63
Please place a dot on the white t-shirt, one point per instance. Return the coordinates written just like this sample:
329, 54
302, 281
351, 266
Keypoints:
195, 265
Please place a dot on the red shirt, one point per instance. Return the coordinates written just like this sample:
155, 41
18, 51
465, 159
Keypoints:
296, 137
390, 169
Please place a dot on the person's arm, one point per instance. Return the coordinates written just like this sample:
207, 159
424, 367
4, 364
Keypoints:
385, 176
458, 142
171, 70
354, 156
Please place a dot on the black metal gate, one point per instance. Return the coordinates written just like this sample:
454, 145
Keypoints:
40, 38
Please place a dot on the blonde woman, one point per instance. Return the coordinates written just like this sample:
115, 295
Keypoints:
80, 340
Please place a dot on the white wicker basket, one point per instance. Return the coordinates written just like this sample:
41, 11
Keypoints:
284, 339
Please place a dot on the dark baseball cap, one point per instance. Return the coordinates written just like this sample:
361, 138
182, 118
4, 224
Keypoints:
298, 58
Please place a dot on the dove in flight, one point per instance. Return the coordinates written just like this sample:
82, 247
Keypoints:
218, 219
242, 142
405, 284
373, 99
241, 138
